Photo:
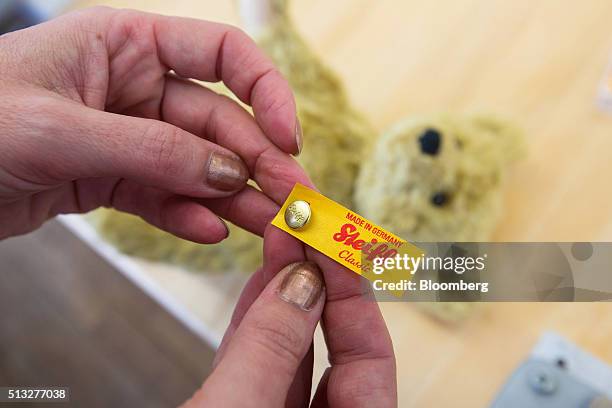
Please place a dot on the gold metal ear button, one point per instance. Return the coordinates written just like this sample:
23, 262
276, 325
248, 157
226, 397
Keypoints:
297, 214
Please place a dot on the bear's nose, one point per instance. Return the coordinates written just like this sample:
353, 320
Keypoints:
430, 141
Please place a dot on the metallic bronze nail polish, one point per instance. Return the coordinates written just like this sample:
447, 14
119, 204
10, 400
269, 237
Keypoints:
299, 138
302, 286
226, 172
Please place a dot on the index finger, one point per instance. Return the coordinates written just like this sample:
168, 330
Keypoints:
223, 121
218, 52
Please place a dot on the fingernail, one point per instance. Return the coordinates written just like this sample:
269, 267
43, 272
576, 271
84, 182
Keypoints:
302, 286
226, 172
226, 227
299, 139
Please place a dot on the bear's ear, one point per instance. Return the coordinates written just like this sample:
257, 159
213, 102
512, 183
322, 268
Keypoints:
502, 134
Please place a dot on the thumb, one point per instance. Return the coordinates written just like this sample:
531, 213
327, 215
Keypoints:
272, 340
81, 142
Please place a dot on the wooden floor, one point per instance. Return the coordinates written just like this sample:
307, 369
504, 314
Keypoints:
69, 319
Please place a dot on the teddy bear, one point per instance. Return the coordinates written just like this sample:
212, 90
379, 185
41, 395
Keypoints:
431, 178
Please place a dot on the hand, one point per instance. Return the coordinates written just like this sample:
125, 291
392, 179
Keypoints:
96, 110
266, 356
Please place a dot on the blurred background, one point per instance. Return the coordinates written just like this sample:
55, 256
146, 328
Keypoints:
123, 331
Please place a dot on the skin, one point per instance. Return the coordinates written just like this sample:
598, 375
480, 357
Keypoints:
99, 108
262, 330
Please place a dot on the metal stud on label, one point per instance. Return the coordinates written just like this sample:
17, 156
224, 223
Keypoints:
297, 214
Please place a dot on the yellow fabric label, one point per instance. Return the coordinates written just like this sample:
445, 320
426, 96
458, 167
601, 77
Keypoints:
344, 236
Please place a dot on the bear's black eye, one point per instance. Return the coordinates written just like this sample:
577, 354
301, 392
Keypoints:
430, 141
440, 198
